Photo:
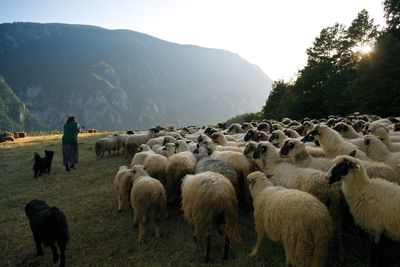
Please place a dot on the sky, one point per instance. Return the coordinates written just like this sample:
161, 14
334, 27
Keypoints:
273, 35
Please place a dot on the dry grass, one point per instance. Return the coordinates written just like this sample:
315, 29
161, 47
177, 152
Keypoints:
100, 236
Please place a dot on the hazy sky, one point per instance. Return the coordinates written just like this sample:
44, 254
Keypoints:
271, 34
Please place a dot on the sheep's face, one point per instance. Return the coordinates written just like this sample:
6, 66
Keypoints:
340, 127
291, 146
276, 137
288, 133
308, 126
344, 165
316, 132
249, 149
215, 137
263, 150
138, 171
371, 141
263, 127
250, 135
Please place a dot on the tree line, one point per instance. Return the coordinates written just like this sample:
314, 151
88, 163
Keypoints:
340, 76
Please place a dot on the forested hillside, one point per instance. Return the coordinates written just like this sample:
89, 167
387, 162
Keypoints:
342, 76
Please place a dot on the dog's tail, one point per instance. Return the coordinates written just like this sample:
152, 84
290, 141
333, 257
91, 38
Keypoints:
60, 224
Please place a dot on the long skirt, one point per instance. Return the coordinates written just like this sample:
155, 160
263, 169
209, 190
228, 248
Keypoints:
70, 154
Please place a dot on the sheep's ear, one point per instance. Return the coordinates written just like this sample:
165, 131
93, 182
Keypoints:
353, 153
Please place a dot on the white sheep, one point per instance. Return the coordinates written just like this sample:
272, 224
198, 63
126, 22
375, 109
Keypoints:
296, 219
155, 166
148, 200
377, 150
382, 133
139, 158
221, 140
106, 144
374, 203
123, 184
333, 144
178, 165
299, 156
208, 203
133, 142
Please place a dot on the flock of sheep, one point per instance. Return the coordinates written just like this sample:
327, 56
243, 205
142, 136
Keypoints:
297, 177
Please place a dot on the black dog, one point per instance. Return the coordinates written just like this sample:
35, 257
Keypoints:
42, 165
48, 226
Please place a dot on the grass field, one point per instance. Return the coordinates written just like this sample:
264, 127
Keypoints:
100, 236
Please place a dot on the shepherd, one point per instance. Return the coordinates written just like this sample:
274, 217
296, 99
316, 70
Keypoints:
70, 143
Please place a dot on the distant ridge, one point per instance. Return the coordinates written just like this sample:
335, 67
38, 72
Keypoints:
122, 79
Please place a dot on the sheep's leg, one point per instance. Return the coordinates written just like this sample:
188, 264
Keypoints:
226, 248
55, 253
62, 252
260, 236
135, 220
120, 200
158, 230
208, 246
142, 229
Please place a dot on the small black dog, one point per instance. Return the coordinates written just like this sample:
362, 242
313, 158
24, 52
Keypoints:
48, 225
42, 165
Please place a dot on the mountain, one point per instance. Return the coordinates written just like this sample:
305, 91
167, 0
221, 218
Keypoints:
13, 113
121, 79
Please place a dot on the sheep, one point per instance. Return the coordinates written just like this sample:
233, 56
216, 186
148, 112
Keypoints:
296, 219
290, 133
382, 132
134, 141
277, 138
162, 140
220, 139
308, 126
209, 202
346, 131
214, 147
264, 127
248, 152
148, 200
299, 156
155, 166
159, 149
123, 185
178, 165
305, 179
296, 152
374, 203
235, 128
246, 126
205, 163
105, 144
377, 150
139, 158
333, 144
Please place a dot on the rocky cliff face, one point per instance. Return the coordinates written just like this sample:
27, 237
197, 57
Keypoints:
122, 79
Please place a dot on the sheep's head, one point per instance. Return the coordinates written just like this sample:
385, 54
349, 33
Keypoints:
264, 127
250, 135
373, 141
291, 146
138, 171
257, 181
343, 167
308, 125
249, 149
265, 150
341, 127
169, 148
276, 137
215, 137
317, 131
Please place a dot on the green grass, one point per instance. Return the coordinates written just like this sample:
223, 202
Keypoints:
100, 236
